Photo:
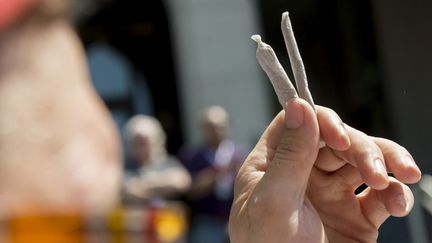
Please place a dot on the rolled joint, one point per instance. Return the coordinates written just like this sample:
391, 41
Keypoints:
256, 38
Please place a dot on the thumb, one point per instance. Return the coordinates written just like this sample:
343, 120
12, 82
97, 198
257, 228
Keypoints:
296, 150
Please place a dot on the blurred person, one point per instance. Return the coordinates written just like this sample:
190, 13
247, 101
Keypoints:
59, 150
158, 175
213, 166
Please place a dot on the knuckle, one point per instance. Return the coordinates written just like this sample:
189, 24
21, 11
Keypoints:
365, 150
291, 147
328, 112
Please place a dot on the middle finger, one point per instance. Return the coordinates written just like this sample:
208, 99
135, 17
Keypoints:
367, 157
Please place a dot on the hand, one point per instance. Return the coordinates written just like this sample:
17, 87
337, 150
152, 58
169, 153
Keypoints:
135, 189
202, 184
288, 190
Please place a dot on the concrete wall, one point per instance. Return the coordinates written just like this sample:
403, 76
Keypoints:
217, 65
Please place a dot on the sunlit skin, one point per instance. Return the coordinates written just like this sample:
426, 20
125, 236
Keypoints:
59, 149
288, 190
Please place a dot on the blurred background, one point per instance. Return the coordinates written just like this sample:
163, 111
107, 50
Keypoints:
370, 61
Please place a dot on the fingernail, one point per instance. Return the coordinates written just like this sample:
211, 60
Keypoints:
408, 161
379, 167
294, 114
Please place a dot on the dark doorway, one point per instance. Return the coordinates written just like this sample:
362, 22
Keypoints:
338, 45
139, 31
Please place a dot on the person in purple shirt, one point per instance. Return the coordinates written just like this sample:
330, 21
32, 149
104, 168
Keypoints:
213, 166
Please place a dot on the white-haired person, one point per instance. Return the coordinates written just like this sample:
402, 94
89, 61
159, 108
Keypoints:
156, 175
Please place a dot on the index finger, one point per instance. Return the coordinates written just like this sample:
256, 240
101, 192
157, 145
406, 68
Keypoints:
332, 129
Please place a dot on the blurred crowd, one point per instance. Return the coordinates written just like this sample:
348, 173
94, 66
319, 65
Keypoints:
201, 177
61, 176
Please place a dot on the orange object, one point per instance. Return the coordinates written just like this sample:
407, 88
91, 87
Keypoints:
169, 224
40, 228
12, 10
